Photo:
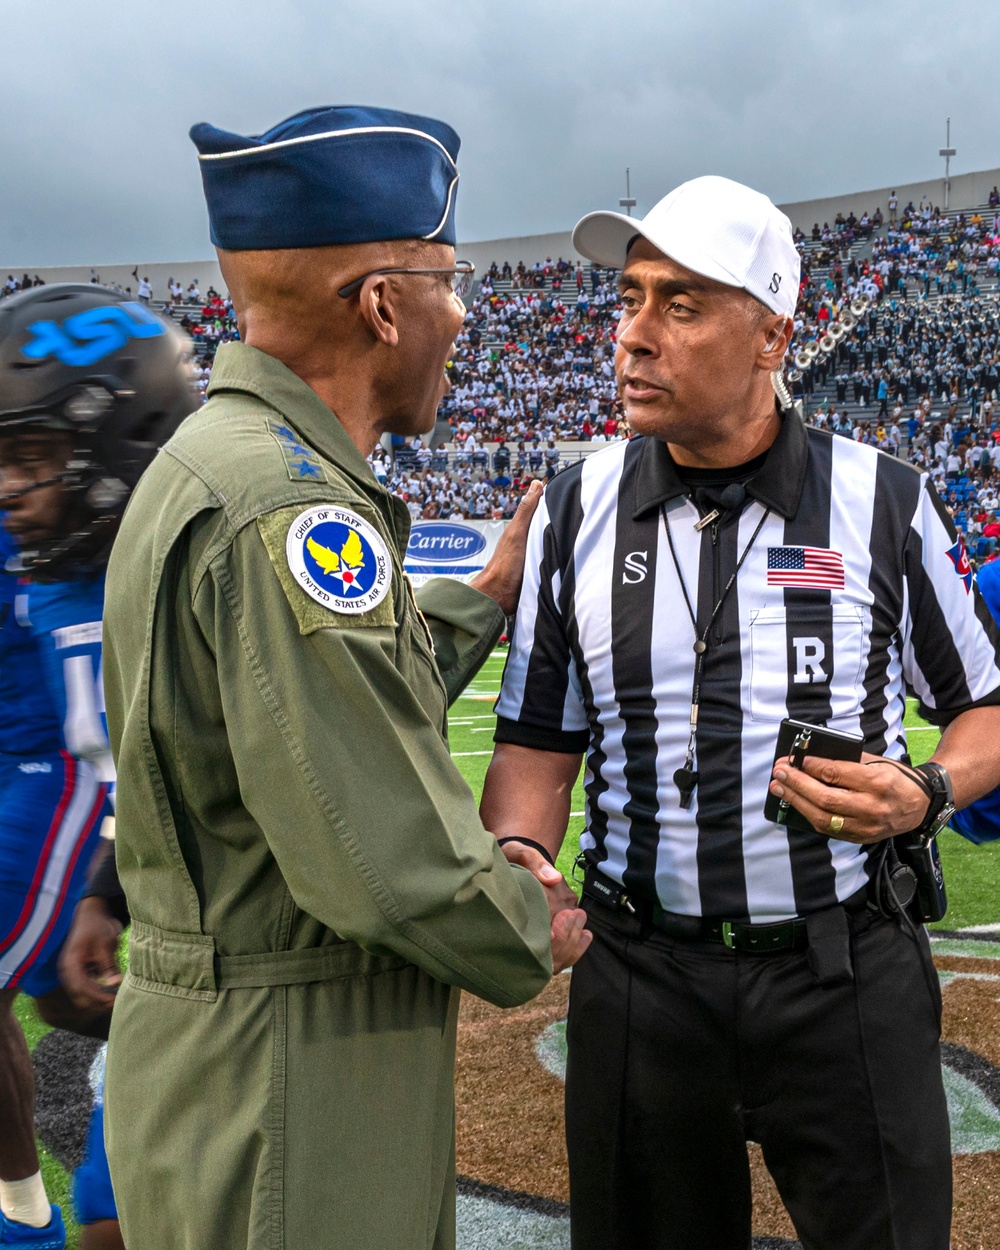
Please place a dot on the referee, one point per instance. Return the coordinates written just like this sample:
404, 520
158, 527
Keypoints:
684, 592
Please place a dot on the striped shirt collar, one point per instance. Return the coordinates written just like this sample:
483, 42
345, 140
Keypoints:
777, 486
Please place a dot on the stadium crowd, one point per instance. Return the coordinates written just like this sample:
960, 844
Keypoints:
903, 370
533, 369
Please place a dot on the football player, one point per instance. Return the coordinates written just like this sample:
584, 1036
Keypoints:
91, 385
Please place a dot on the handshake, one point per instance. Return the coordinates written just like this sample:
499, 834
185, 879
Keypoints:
569, 938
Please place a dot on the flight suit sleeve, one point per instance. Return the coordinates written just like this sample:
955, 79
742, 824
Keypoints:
373, 828
464, 624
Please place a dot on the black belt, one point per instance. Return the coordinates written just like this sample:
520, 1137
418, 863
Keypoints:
735, 935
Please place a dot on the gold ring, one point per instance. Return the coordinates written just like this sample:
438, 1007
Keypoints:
836, 824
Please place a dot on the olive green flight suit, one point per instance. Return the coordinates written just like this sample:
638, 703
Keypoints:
306, 870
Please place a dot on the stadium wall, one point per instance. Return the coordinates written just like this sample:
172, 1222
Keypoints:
967, 191
526, 247
206, 272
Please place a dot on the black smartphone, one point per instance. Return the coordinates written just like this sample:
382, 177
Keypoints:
798, 739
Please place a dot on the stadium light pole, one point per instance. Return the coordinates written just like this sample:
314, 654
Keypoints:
947, 152
628, 203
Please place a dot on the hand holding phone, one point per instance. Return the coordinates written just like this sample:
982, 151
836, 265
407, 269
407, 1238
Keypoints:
797, 754
796, 740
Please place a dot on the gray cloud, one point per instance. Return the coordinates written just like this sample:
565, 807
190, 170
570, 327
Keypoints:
553, 98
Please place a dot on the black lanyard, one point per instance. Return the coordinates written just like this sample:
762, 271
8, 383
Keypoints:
686, 778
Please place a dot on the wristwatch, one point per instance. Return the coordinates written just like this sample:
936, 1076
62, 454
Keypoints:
942, 804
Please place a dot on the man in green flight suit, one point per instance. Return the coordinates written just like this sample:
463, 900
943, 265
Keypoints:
306, 872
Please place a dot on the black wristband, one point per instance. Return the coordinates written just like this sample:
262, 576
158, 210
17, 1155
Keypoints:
939, 783
535, 846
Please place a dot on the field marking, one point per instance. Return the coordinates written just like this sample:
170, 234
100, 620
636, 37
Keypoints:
947, 976
456, 754
973, 948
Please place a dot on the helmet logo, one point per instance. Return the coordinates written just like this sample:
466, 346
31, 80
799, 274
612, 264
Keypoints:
90, 403
88, 337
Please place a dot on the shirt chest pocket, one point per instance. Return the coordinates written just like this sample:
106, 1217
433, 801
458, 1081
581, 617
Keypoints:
808, 661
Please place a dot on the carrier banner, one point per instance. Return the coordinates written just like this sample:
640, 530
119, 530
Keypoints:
450, 548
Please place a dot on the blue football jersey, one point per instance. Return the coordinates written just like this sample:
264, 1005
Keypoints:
29, 719
988, 580
64, 618
980, 821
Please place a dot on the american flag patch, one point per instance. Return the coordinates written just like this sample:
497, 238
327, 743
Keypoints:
817, 567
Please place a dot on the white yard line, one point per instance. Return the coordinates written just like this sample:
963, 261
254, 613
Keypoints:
457, 754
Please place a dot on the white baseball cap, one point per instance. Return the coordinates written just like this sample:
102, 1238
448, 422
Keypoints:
713, 226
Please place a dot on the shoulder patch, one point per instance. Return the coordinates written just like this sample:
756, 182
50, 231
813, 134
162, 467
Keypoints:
303, 464
333, 565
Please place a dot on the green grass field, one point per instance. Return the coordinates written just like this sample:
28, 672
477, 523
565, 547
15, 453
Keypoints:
973, 873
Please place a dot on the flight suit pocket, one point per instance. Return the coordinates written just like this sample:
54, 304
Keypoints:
808, 661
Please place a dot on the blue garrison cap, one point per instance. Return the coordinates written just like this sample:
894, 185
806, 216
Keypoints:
330, 175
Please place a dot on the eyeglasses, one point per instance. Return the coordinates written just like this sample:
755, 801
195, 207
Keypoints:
462, 274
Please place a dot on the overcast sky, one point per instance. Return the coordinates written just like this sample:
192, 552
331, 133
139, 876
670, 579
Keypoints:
552, 98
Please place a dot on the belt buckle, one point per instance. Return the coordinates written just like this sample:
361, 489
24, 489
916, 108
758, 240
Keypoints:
727, 935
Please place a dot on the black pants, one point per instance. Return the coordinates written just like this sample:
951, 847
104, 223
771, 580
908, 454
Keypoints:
680, 1052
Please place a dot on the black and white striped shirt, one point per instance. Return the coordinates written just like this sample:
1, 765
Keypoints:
855, 588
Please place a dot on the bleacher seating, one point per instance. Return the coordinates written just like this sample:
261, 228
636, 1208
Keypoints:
533, 365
